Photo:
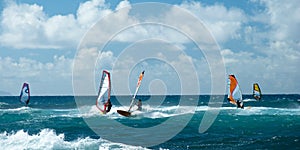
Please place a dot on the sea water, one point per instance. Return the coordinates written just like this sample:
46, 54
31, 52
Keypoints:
55, 122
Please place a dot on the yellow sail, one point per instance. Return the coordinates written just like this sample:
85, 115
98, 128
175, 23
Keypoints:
256, 91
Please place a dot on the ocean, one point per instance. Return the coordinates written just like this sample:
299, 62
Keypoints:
67, 122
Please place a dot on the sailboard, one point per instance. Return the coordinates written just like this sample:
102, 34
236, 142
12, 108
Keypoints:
103, 99
25, 94
133, 100
234, 92
256, 91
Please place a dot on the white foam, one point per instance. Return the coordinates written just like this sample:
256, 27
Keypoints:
249, 100
3, 103
147, 112
18, 110
268, 111
48, 139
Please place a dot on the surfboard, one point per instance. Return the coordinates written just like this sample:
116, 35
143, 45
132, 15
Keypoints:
128, 113
124, 113
104, 92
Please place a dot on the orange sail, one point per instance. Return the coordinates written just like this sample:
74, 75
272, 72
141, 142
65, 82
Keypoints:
136, 90
140, 78
234, 92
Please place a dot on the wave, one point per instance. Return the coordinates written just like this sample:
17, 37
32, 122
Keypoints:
148, 111
3, 104
48, 139
252, 110
19, 110
269, 111
249, 100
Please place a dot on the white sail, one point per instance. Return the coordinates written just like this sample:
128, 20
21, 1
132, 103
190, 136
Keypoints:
25, 94
104, 91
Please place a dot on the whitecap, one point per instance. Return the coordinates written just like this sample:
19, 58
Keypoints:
49, 139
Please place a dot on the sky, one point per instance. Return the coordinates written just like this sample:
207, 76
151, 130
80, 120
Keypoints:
60, 47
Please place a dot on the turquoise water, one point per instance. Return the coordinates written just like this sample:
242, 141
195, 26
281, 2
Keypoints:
55, 122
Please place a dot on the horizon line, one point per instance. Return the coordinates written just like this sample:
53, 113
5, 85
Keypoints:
164, 94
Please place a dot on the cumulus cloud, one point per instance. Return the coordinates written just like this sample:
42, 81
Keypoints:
21, 25
48, 75
91, 11
279, 22
284, 19
224, 23
271, 54
28, 26
280, 72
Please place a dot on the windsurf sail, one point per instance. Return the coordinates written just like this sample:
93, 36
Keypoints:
25, 94
136, 90
234, 91
104, 91
256, 91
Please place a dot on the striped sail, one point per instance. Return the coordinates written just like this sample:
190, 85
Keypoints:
234, 91
25, 94
256, 91
104, 91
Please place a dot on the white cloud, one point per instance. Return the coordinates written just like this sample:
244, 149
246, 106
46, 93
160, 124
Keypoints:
276, 74
54, 77
273, 32
61, 31
86, 69
91, 11
173, 68
224, 23
161, 25
284, 19
21, 25
123, 4
28, 26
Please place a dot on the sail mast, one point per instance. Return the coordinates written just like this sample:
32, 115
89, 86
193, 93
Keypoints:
136, 90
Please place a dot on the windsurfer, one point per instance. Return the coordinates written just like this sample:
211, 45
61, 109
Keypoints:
107, 106
239, 104
139, 105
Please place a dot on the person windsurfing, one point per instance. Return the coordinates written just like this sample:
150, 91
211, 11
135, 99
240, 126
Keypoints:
107, 106
139, 105
239, 104
234, 92
133, 100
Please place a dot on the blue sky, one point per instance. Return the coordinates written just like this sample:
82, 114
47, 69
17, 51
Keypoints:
39, 41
